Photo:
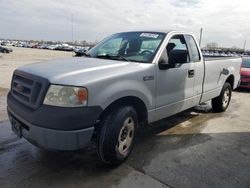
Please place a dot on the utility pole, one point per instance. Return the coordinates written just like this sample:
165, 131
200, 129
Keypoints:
72, 28
200, 37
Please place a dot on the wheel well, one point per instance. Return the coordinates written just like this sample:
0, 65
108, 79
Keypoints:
230, 80
135, 102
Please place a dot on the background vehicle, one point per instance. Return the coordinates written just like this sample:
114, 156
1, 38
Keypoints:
64, 47
128, 80
245, 73
81, 51
5, 50
52, 47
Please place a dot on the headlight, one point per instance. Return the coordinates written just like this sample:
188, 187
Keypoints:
66, 96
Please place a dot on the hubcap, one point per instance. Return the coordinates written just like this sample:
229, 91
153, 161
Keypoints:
126, 136
226, 98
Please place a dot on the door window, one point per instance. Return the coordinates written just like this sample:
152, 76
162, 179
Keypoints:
177, 42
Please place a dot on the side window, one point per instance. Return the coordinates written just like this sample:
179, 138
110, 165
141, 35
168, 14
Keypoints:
177, 42
193, 49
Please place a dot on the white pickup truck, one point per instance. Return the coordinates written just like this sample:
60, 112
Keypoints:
128, 80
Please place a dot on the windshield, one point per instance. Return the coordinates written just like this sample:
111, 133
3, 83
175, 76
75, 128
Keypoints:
246, 63
129, 46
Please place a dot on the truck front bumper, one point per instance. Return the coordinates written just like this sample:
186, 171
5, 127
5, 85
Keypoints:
53, 128
49, 138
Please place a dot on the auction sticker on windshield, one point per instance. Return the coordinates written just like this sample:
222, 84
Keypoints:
149, 35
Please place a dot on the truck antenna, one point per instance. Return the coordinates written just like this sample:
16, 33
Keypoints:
244, 46
201, 30
72, 30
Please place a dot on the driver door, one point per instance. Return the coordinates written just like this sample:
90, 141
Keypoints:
175, 86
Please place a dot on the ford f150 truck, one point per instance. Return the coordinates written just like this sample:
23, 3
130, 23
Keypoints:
128, 80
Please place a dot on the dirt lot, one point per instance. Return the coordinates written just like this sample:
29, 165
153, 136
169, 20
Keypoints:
196, 148
21, 56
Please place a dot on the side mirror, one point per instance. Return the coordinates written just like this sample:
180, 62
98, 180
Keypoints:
165, 65
178, 56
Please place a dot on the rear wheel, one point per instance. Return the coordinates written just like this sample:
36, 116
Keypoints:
116, 135
220, 103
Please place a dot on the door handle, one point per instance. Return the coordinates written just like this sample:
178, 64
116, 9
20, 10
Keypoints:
191, 73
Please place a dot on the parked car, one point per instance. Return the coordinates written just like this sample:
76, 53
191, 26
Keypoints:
128, 80
3, 43
81, 51
5, 50
64, 47
52, 47
43, 46
245, 73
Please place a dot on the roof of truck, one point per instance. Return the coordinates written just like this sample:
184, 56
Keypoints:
165, 31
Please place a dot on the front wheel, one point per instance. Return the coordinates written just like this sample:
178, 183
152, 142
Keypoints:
220, 103
116, 135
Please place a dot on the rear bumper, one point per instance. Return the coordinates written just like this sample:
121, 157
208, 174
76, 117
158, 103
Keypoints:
245, 83
245, 86
66, 140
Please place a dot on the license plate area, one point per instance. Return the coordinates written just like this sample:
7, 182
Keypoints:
16, 127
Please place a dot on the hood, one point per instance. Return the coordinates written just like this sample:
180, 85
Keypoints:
79, 70
245, 71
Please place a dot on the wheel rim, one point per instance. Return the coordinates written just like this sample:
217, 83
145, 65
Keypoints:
226, 98
126, 136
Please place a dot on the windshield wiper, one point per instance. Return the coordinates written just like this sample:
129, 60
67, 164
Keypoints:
112, 56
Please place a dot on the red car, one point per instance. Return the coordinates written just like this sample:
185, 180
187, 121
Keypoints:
245, 73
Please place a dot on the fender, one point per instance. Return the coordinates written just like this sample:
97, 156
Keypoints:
124, 89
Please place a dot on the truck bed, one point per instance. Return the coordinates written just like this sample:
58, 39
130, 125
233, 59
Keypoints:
214, 78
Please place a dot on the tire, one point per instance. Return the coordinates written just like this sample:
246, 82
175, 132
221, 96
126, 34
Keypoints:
220, 103
116, 135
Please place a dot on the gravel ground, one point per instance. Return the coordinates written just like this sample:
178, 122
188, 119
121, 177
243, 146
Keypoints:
22, 56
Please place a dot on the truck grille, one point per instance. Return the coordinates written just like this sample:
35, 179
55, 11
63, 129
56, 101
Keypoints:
28, 89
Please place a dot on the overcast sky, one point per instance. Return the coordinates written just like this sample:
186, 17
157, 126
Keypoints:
226, 22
